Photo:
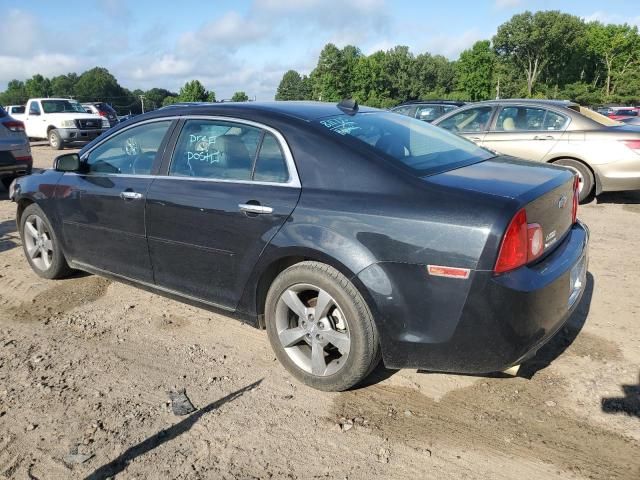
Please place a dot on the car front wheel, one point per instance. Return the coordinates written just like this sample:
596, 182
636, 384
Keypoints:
41, 245
320, 327
55, 140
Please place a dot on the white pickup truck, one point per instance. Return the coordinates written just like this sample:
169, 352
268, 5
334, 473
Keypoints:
59, 120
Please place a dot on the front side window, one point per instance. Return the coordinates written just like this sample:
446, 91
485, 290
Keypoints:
471, 120
132, 151
418, 145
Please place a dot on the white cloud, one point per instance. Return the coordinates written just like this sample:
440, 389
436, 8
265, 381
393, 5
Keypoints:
504, 4
605, 17
451, 45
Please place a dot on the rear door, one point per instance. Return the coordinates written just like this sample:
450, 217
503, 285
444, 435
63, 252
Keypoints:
102, 208
525, 131
229, 186
471, 123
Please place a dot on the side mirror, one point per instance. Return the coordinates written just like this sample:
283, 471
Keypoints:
69, 162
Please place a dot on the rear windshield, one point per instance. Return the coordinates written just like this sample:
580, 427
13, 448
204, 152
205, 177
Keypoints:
104, 107
423, 148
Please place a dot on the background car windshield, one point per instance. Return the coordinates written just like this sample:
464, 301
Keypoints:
62, 106
416, 144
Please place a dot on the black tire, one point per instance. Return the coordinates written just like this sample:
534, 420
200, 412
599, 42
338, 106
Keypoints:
586, 177
364, 351
58, 268
55, 140
6, 181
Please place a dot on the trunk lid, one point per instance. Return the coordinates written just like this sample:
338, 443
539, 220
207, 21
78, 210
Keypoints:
545, 191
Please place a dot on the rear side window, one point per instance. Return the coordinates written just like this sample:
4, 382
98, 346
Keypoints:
418, 145
271, 165
517, 118
34, 108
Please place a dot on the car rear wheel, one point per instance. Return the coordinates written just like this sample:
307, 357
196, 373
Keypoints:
585, 176
40, 244
320, 327
55, 140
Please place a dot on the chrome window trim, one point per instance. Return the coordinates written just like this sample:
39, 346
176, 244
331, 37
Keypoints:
294, 178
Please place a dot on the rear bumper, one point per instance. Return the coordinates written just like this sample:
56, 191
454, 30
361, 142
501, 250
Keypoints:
484, 324
619, 175
15, 163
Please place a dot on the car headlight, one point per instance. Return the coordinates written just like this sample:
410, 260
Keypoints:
12, 188
68, 123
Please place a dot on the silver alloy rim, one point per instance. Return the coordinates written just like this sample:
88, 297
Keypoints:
53, 140
312, 329
37, 240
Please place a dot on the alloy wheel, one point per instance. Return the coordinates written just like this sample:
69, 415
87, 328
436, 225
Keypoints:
312, 329
38, 242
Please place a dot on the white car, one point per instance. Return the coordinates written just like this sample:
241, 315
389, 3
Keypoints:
61, 121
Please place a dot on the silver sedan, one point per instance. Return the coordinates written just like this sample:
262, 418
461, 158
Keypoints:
603, 152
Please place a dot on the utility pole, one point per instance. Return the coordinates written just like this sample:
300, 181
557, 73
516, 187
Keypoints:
142, 101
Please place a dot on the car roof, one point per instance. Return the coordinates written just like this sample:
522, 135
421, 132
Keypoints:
304, 110
529, 101
434, 102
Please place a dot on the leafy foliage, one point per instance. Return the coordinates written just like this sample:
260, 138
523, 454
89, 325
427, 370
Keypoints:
240, 97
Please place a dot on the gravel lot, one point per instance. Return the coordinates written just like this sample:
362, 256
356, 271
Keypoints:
86, 365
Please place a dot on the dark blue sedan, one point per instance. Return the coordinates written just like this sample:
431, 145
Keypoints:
350, 234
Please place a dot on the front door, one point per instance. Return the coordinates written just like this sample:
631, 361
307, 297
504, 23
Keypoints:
525, 132
470, 123
228, 189
102, 207
35, 121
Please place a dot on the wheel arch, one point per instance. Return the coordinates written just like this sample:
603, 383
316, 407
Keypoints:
23, 203
51, 127
255, 293
596, 174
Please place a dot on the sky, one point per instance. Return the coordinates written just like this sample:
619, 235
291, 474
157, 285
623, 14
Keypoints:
246, 44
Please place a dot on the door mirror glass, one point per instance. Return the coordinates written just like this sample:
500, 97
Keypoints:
69, 162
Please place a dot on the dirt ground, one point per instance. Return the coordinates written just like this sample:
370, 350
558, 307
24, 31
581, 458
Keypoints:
86, 365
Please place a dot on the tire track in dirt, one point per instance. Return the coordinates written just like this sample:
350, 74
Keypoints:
505, 417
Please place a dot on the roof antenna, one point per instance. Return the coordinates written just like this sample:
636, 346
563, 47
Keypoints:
348, 106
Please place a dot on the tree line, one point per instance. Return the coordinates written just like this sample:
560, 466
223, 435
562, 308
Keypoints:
98, 85
548, 54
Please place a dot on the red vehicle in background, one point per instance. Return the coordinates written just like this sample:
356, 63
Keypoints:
618, 113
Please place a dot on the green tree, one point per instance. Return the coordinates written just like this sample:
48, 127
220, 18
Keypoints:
328, 77
170, 100
475, 71
240, 97
290, 87
98, 84
15, 94
38, 86
64, 85
155, 96
532, 42
617, 48
193, 91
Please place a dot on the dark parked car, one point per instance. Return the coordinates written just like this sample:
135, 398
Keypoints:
349, 233
15, 152
427, 110
106, 111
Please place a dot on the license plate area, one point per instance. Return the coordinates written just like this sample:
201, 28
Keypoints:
577, 280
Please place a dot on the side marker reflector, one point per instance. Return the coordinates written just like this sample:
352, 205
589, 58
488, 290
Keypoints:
449, 272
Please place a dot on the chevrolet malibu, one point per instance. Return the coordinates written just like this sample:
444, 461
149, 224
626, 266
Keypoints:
350, 234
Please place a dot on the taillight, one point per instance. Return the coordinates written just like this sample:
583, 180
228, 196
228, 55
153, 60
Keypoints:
521, 244
102, 114
14, 125
633, 145
576, 198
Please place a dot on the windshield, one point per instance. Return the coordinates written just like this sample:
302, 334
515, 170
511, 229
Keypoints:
423, 148
62, 106
597, 117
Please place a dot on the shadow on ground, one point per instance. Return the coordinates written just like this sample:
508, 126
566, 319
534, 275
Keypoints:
563, 339
119, 464
630, 197
8, 235
629, 404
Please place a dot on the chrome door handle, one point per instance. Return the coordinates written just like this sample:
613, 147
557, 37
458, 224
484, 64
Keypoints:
474, 139
130, 195
545, 137
249, 208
